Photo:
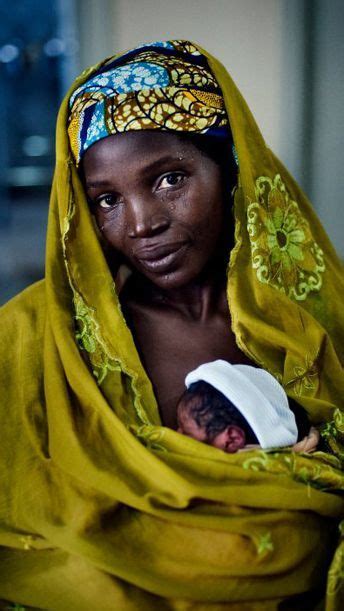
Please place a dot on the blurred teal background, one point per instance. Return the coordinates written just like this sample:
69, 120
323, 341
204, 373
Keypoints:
286, 56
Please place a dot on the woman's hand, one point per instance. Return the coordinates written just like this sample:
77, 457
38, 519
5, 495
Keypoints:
308, 443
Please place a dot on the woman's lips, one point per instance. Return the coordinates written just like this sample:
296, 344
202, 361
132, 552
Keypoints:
160, 258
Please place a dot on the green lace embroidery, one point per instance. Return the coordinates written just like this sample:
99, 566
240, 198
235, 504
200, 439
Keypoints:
284, 253
329, 430
259, 462
90, 339
264, 543
88, 334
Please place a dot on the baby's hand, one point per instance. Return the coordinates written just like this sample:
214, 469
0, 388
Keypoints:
308, 443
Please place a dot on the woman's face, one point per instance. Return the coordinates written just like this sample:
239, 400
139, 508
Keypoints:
158, 202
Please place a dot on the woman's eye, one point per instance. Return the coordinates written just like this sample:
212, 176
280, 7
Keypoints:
107, 201
171, 180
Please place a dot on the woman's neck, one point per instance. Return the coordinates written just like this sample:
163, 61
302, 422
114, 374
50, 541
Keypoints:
199, 300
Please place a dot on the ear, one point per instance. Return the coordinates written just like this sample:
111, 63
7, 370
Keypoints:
235, 439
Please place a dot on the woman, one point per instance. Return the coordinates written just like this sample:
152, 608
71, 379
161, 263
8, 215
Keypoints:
105, 505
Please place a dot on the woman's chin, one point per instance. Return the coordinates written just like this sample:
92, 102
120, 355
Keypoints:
169, 280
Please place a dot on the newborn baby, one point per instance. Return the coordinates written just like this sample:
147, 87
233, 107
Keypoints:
233, 407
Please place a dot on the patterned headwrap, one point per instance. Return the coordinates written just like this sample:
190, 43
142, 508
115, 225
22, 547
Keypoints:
162, 85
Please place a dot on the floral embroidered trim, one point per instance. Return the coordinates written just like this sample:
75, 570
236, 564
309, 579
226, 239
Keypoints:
338, 416
328, 430
327, 475
306, 378
284, 253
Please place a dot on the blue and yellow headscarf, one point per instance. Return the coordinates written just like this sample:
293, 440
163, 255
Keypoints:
162, 85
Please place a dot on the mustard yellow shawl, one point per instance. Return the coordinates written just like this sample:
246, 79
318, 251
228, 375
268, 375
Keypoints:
103, 508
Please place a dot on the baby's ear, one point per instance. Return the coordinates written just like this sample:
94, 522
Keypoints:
235, 438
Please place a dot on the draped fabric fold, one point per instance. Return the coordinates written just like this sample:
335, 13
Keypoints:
101, 506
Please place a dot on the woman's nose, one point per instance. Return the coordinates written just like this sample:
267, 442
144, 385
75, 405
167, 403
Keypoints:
146, 219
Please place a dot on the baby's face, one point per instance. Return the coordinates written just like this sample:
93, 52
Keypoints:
229, 440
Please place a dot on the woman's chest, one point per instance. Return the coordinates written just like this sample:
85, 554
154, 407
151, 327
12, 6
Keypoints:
171, 347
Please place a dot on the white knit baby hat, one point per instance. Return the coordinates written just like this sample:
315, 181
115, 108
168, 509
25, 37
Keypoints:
258, 397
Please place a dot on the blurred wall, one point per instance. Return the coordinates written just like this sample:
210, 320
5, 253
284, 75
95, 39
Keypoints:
244, 35
326, 129
312, 102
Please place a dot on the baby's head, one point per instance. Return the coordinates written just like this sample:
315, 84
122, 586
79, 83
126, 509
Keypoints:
232, 406
205, 414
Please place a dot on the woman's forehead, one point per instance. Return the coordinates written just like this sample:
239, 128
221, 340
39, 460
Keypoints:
145, 147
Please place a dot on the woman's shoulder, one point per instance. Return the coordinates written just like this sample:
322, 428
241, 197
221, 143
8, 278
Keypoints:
28, 304
22, 322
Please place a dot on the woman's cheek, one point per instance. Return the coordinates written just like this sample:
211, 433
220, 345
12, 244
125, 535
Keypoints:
111, 229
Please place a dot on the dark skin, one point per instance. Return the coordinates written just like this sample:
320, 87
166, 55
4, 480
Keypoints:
159, 203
